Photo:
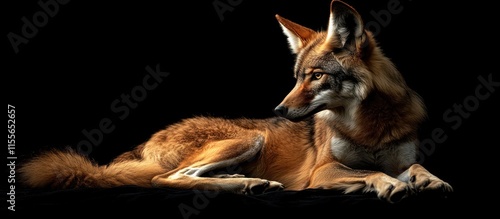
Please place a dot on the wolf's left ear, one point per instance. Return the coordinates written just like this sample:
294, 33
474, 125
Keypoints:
345, 27
296, 34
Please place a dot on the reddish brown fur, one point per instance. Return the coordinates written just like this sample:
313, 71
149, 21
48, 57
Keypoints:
276, 153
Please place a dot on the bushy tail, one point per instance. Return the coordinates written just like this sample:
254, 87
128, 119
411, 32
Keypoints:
68, 169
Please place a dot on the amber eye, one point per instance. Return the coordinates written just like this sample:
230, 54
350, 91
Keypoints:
317, 75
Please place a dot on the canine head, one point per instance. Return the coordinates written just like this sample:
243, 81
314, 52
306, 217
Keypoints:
337, 68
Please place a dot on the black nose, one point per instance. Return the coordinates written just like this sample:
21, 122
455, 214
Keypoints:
281, 110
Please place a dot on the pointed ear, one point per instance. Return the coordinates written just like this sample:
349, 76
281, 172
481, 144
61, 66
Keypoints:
296, 34
345, 27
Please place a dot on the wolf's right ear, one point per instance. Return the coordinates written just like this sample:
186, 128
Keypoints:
296, 34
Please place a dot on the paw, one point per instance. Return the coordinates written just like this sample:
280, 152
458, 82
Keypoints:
394, 191
390, 189
259, 186
423, 181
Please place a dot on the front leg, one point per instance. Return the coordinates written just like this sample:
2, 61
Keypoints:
421, 180
335, 175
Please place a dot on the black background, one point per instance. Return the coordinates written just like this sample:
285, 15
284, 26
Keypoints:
64, 80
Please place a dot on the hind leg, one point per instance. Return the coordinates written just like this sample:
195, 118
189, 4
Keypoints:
193, 173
